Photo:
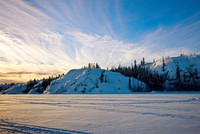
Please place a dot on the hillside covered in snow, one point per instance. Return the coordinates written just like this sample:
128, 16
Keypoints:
167, 74
186, 64
83, 81
96, 81
180, 73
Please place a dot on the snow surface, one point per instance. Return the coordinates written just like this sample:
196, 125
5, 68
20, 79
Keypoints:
79, 81
100, 114
36, 87
16, 89
185, 63
4, 86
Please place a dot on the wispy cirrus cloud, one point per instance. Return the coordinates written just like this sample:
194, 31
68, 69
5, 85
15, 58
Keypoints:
50, 37
184, 37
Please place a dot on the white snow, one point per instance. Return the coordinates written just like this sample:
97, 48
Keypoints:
16, 89
36, 87
88, 81
101, 114
185, 64
4, 86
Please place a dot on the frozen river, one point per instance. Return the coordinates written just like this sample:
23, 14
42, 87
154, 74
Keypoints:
103, 114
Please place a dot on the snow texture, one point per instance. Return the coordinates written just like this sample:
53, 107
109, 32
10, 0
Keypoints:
36, 88
4, 86
185, 63
100, 114
16, 89
89, 81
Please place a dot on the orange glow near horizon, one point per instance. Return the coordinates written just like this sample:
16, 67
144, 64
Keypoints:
23, 73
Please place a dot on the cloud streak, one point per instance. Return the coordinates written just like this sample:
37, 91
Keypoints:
49, 37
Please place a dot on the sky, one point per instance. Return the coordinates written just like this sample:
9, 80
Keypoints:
39, 38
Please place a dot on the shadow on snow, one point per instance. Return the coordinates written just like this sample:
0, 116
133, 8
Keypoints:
10, 127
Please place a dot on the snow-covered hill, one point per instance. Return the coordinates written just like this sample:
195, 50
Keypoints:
16, 89
99, 81
185, 63
93, 81
5, 86
180, 73
37, 88
22, 89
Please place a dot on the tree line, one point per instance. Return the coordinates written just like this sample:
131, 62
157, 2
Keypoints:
41, 84
187, 80
153, 79
183, 81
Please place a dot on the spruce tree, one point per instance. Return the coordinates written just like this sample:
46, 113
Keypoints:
163, 65
143, 61
135, 69
89, 65
105, 79
101, 77
184, 77
196, 73
178, 76
97, 65
196, 79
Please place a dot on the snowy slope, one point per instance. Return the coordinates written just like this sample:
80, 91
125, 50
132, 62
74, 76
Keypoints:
22, 87
16, 89
185, 63
88, 81
4, 87
36, 88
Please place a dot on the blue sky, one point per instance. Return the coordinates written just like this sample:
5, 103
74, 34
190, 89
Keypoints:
44, 37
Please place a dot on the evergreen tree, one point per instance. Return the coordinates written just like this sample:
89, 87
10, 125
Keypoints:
30, 85
101, 77
184, 77
97, 65
135, 64
196, 79
163, 65
155, 81
135, 69
143, 61
106, 79
89, 65
178, 76
196, 73
184, 81
119, 67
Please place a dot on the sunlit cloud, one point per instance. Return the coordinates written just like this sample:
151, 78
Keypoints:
41, 38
